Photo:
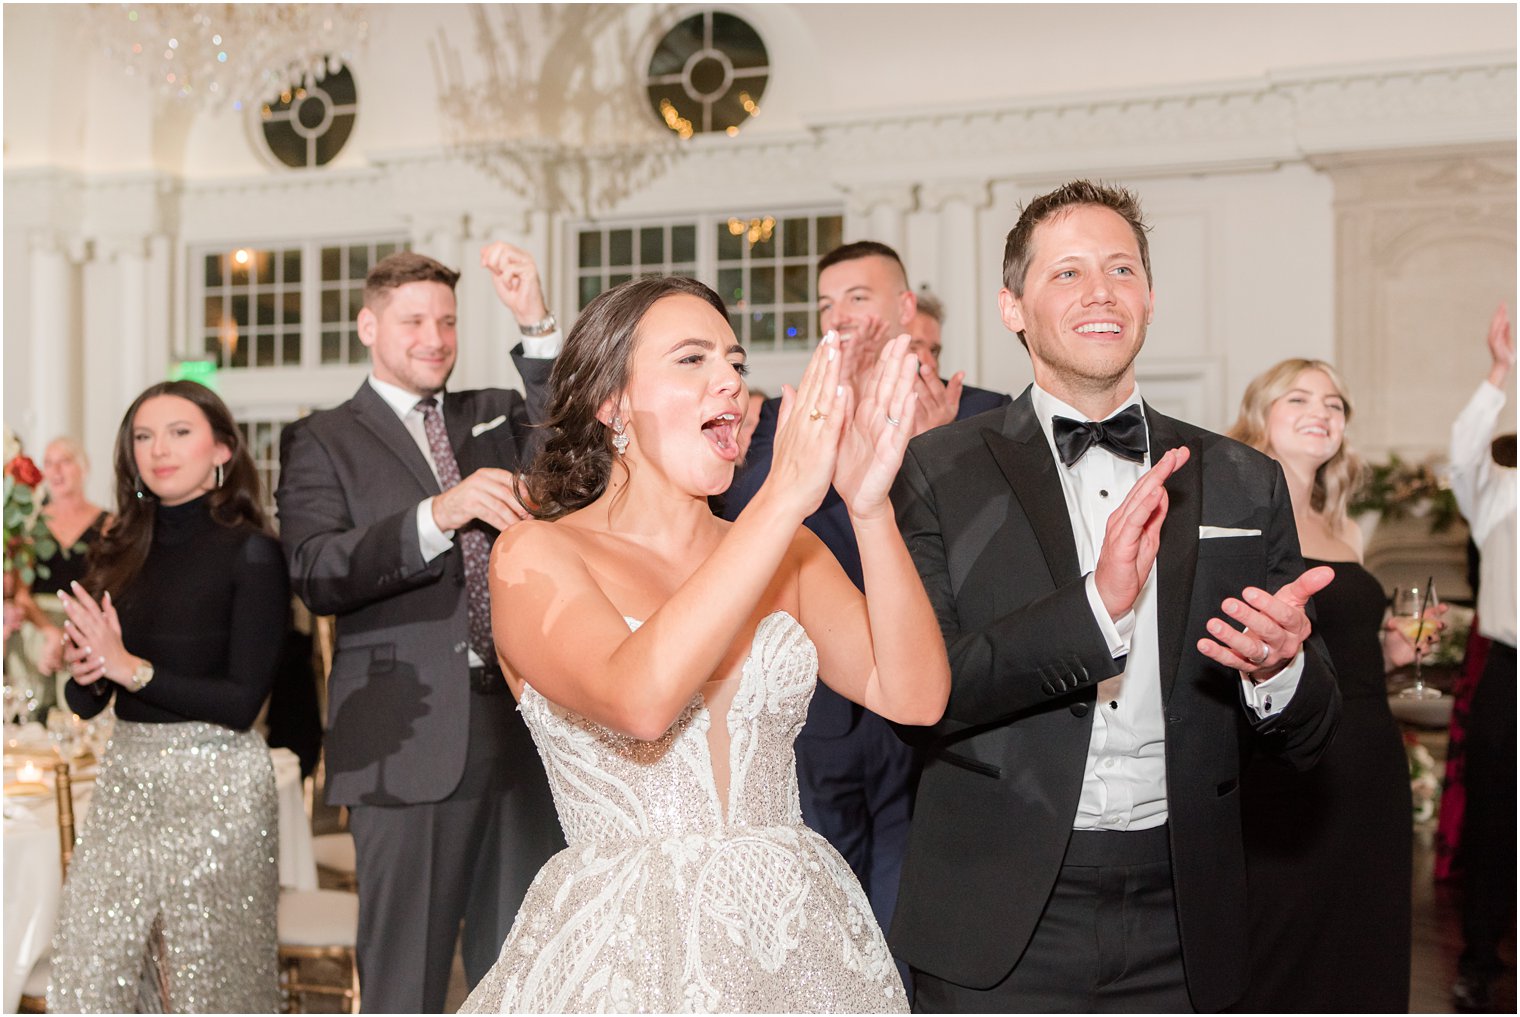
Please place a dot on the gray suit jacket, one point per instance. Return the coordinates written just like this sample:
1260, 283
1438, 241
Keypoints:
350, 482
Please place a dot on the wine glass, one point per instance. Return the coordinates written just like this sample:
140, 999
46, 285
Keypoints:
1412, 616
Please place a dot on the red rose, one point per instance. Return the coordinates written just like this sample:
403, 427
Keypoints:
25, 471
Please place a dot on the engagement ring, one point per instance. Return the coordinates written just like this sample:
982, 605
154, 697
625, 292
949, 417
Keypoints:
893, 420
815, 415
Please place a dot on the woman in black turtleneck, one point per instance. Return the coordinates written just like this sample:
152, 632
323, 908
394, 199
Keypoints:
181, 620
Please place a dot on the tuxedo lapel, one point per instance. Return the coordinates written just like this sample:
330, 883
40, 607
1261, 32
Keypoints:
1177, 560
375, 415
1024, 456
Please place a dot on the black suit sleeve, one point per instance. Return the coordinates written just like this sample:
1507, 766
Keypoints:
1300, 733
535, 373
337, 566
1047, 649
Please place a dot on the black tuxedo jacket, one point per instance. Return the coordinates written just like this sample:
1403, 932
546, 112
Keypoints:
980, 505
350, 482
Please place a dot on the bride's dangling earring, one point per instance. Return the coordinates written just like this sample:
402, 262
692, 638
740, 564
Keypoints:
619, 438
218, 474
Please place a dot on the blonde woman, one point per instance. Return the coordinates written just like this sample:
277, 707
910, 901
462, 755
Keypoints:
1328, 851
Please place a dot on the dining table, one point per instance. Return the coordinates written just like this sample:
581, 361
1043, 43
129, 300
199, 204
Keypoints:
33, 877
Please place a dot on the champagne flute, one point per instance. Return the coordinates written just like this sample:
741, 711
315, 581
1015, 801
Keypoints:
1411, 615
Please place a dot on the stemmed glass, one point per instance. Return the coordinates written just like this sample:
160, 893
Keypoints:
1412, 609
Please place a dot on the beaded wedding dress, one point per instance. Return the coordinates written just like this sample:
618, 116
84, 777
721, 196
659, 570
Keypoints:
676, 897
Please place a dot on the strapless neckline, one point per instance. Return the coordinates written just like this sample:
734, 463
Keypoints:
697, 713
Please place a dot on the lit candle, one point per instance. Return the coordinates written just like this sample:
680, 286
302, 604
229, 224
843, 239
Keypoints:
30, 773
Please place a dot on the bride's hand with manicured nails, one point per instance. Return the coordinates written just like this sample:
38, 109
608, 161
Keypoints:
807, 432
871, 449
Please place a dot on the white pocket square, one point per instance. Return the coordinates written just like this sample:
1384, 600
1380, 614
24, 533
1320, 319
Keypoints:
479, 429
1205, 532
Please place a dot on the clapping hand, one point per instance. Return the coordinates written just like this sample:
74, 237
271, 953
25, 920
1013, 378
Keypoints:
1132, 537
808, 426
939, 402
94, 649
1276, 626
514, 273
871, 449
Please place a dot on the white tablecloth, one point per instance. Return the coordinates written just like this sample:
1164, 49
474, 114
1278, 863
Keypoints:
33, 881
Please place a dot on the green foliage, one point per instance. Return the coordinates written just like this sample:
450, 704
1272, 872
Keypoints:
1396, 488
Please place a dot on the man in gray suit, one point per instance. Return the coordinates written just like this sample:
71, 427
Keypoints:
388, 505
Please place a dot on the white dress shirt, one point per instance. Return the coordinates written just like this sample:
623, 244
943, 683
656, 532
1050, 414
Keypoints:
1485, 493
430, 539
1124, 780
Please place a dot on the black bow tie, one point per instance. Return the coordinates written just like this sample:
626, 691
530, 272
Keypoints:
1123, 434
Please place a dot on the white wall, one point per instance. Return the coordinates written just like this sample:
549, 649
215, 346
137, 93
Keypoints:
925, 124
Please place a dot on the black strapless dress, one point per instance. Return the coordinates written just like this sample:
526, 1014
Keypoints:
1328, 851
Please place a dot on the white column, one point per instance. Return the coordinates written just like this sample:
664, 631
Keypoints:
158, 293
959, 280
55, 397
880, 213
128, 259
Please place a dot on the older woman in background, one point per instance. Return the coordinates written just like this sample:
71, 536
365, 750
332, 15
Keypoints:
1328, 851
74, 521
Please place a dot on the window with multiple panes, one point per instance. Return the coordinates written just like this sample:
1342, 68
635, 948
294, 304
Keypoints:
262, 440
764, 265
283, 305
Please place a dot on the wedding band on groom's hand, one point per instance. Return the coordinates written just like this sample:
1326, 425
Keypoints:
1266, 651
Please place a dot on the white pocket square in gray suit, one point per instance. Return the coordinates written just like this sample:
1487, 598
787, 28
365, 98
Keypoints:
1205, 532
482, 428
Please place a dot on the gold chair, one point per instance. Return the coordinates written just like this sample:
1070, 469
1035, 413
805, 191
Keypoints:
318, 926
34, 990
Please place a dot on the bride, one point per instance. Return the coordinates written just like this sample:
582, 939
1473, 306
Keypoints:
663, 660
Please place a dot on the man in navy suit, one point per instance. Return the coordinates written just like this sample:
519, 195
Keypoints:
854, 774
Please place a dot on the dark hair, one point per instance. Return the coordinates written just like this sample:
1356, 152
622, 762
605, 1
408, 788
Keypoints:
1019, 250
116, 558
575, 464
397, 270
862, 249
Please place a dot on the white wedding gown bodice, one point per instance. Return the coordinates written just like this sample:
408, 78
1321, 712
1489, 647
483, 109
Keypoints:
679, 893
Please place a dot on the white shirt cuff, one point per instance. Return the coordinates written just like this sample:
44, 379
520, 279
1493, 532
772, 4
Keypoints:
543, 347
1116, 633
1274, 694
430, 538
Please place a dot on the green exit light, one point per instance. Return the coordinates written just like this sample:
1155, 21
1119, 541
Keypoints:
203, 371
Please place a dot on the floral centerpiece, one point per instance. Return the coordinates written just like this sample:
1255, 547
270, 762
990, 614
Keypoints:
27, 537
1396, 489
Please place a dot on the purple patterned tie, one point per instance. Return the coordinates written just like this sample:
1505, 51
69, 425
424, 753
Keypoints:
477, 549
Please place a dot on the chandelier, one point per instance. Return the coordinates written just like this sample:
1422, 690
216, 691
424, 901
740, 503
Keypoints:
551, 104
237, 55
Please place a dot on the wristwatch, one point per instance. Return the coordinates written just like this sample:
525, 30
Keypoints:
141, 676
549, 324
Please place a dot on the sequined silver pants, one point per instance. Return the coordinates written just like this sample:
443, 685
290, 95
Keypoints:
181, 828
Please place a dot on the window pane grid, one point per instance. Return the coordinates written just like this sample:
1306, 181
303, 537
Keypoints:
249, 313
764, 267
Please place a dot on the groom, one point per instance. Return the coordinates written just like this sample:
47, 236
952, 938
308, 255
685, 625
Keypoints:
1076, 844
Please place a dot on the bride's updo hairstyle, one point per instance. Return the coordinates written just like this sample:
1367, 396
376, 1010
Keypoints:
575, 464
